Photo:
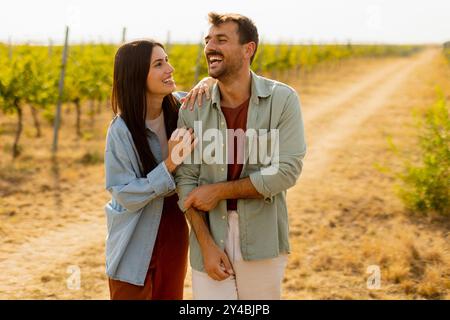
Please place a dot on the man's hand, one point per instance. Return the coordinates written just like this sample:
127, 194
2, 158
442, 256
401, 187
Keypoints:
197, 92
204, 198
216, 262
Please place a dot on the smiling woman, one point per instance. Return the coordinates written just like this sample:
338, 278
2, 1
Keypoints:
143, 215
160, 75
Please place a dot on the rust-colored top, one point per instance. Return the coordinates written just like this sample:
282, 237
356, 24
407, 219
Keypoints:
236, 119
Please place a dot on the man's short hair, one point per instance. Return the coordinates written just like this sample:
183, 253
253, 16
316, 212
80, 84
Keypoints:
246, 27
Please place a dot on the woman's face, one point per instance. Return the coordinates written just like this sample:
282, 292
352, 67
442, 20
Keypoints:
159, 79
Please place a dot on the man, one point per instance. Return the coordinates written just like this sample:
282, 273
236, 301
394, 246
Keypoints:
237, 209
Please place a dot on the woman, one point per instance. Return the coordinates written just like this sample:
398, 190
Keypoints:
147, 242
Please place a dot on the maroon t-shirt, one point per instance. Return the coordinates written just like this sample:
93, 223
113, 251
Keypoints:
236, 119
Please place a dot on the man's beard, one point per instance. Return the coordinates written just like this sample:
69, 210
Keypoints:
226, 71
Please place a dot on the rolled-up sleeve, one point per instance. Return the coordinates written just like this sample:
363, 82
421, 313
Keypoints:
130, 191
292, 149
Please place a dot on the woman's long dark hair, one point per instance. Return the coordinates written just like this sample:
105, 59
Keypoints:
129, 99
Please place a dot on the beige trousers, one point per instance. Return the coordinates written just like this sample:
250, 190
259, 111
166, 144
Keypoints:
253, 280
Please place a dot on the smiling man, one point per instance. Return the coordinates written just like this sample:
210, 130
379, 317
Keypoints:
237, 211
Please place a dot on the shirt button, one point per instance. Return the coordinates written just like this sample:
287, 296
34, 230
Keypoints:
222, 123
223, 217
222, 169
221, 241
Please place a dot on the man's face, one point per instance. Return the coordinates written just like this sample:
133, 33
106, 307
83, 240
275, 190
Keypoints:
224, 54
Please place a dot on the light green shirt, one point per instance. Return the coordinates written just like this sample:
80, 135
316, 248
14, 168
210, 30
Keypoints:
263, 223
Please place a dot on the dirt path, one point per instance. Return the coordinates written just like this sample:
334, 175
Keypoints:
32, 259
329, 122
345, 215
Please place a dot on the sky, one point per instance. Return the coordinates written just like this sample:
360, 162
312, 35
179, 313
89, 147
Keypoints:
366, 21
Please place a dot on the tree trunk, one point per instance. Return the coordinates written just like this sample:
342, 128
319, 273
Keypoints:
36, 122
78, 120
16, 150
67, 109
92, 113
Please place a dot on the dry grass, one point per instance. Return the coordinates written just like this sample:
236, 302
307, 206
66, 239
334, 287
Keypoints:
343, 219
354, 220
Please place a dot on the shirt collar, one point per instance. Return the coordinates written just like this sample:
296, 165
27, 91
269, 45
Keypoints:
260, 89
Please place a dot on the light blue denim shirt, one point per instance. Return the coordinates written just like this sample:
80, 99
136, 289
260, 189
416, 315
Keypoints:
134, 212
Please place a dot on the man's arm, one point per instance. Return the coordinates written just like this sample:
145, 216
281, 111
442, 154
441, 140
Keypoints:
206, 197
284, 172
186, 178
215, 260
197, 220
260, 184
237, 189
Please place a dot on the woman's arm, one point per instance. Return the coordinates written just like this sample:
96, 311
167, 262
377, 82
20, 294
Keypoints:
131, 191
134, 192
